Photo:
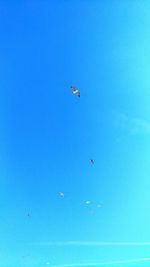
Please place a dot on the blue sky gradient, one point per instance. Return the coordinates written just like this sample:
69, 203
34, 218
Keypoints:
48, 135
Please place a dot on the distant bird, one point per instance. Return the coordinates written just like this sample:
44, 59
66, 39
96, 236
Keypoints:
92, 161
61, 194
28, 215
75, 91
87, 202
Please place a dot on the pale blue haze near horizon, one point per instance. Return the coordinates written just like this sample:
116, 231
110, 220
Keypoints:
48, 135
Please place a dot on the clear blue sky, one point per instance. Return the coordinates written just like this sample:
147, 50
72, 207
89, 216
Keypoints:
48, 135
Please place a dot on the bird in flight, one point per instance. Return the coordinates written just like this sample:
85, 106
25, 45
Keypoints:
92, 161
87, 202
61, 194
75, 91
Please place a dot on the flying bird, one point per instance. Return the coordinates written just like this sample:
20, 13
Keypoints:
87, 202
61, 194
75, 91
92, 161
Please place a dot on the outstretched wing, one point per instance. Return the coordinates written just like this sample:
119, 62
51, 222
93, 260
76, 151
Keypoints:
78, 93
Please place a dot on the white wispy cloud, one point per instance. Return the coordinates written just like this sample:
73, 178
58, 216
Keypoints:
89, 243
139, 126
131, 125
103, 263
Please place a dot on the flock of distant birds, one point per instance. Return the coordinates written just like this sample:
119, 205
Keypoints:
87, 202
61, 194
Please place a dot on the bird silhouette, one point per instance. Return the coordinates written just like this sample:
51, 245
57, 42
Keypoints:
75, 90
61, 194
